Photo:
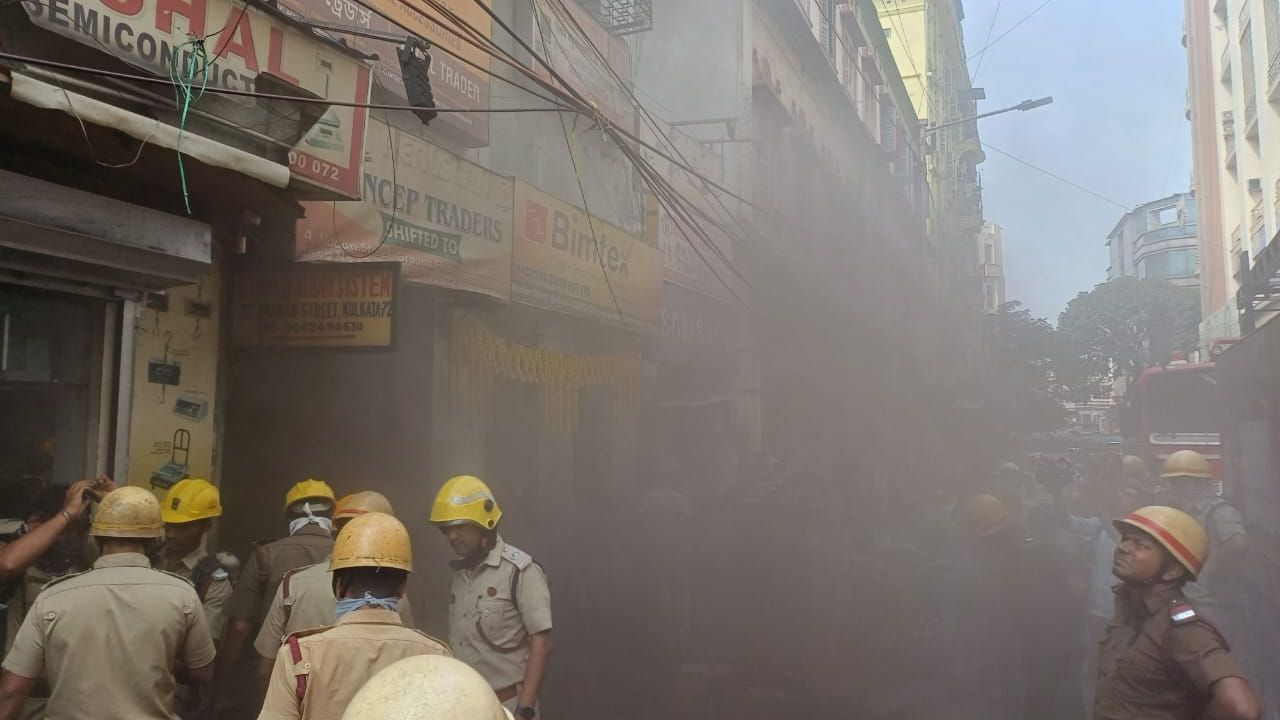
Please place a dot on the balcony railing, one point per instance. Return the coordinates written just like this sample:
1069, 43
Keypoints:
1237, 236
1171, 232
1225, 73
1256, 218
1251, 114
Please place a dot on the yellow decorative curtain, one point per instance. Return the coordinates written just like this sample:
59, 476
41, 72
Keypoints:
477, 356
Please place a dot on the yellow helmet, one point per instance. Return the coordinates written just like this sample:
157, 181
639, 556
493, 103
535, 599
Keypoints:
426, 687
191, 500
1186, 463
359, 503
1132, 465
128, 512
982, 515
375, 540
309, 489
1176, 531
466, 499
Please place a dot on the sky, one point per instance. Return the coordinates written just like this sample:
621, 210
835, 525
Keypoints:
1118, 76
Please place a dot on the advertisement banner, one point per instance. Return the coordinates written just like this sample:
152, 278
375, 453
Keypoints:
559, 264
454, 83
243, 43
334, 306
556, 39
447, 221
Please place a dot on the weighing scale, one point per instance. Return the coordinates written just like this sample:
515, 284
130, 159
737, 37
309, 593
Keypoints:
173, 471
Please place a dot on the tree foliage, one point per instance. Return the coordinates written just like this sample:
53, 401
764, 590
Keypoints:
1022, 389
1122, 326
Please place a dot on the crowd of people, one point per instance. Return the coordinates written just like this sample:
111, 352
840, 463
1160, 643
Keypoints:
1131, 582
116, 610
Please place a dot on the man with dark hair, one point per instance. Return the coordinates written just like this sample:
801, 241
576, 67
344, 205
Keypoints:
317, 672
1161, 660
500, 611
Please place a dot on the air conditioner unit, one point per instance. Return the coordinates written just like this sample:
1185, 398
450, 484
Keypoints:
1255, 185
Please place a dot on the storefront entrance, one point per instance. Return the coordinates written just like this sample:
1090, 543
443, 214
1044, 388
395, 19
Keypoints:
52, 412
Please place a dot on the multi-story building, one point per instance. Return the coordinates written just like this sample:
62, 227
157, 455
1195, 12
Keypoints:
991, 266
1233, 59
928, 44
1157, 240
357, 295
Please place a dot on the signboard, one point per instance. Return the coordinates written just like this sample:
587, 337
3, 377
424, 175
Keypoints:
557, 40
333, 306
559, 264
243, 42
696, 329
447, 221
454, 83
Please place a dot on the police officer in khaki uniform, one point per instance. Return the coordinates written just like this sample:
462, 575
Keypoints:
305, 597
500, 605
107, 640
1161, 660
317, 672
188, 511
308, 507
426, 687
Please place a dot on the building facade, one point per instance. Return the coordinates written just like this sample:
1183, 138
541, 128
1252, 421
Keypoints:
1233, 58
927, 41
353, 294
990, 264
1157, 240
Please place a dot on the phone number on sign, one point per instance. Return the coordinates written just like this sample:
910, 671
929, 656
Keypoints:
314, 166
330, 326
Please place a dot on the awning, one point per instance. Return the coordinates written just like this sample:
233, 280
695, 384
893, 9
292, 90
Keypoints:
103, 241
38, 93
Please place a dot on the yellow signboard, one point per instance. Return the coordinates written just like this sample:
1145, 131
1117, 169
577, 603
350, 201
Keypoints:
560, 261
316, 306
446, 220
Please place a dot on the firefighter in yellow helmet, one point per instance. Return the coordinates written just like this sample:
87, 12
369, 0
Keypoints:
426, 687
82, 625
188, 512
500, 607
308, 510
318, 671
305, 596
1161, 659
1192, 489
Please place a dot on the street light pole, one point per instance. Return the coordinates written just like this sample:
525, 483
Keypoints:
1023, 106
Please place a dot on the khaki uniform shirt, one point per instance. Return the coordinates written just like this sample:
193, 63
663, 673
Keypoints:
215, 598
1222, 522
310, 604
489, 627
1159, 660
337, 661
107, 639
252, 596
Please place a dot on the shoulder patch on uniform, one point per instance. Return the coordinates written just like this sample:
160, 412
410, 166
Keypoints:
517, 557
221, 574
1181, 612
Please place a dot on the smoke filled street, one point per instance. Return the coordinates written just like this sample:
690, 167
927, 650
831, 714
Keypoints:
639, 359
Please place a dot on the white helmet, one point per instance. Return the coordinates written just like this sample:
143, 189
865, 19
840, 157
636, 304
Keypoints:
426, 687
